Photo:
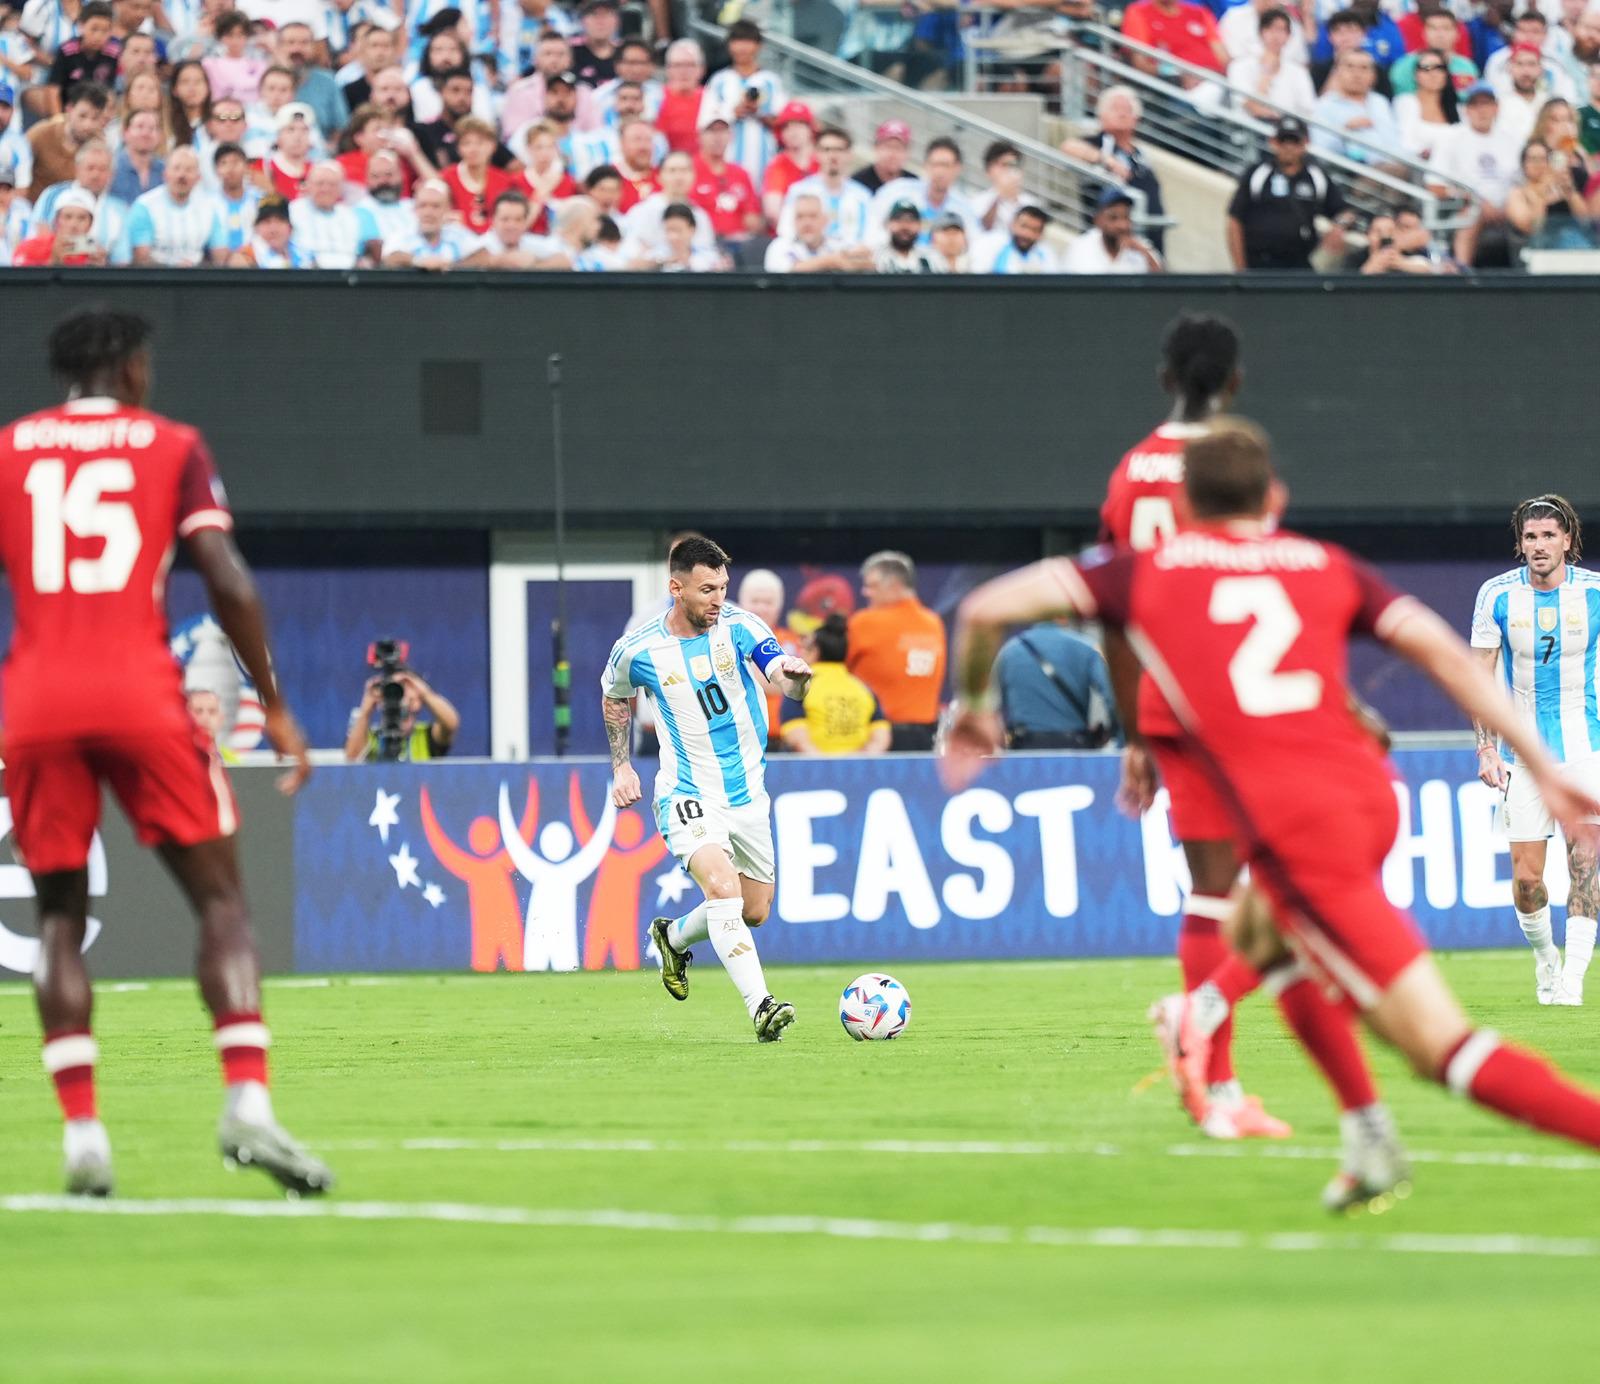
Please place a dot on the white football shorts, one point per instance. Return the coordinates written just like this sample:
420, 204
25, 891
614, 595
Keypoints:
1524, 815
690, 824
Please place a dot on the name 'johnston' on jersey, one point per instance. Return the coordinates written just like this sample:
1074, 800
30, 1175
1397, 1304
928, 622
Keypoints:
711, 712
1547, 642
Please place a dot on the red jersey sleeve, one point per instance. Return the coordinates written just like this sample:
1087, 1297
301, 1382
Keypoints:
1379, 605
202, 502
1136, 23
1100, 584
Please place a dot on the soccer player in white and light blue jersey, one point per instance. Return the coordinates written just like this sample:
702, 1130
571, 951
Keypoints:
1541, 623
699, 663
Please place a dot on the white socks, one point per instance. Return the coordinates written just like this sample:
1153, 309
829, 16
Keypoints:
736, 949
249, 1102
1208, 1008
1580, 947
689, 929
1536, 928
85, 1139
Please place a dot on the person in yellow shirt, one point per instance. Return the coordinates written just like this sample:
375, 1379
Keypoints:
897, 647
839, 714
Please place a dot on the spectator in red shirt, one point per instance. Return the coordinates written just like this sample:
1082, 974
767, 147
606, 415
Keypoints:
1187, 31
636, 147
68, 240
796, 128
285, 170
371, 129
544, 179
679, 116
721, 189
475, 182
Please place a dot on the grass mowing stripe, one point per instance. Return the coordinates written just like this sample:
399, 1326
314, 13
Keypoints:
832, 1227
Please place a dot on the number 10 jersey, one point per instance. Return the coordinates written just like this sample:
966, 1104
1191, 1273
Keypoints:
1547, 653
93, 498
711, 713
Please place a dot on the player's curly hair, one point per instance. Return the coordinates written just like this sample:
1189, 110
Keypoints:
94, 341
1555, 507
1200, 353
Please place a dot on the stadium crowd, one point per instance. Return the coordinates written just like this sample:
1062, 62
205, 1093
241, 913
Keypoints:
292, 134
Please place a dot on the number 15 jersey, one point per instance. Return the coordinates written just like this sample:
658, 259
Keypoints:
93, 498
711, 714
1547, 653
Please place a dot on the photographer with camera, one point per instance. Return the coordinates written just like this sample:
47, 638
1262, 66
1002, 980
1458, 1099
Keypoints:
399, 694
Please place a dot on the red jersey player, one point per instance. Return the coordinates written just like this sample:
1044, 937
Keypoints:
94, 496
1145, 504
1247, 633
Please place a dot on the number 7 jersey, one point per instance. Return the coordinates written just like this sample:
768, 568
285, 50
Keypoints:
1547, 645
93, 498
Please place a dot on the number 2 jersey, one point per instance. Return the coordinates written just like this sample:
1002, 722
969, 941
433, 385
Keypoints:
1547, 645
93, 498
1247, 637
711, 713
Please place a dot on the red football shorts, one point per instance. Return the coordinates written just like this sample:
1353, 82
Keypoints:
172, 788
1194, 807
1327, 894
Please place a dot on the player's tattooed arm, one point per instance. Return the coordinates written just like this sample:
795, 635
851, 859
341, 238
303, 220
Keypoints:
619, 729
618, 714
1491, 768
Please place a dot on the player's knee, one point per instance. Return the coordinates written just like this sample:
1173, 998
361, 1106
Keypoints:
1527, 890
225, 915
723, 889
756, 913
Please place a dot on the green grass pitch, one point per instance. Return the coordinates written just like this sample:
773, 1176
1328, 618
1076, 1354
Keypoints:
573, 1178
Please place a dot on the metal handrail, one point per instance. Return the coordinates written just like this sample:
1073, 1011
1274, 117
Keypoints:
1064, 185
1238, 134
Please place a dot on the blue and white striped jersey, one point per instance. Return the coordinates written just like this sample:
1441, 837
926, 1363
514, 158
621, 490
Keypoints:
177, 234
454, 243
585, 150
1547, 642
238, 218
849, 210
753, 145
711, 713
110, 219
335, 238
519, 36
1007, 259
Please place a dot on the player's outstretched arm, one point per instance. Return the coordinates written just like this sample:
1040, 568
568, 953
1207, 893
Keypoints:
1018, 598
618, 713
790, 675
238, 608
1421, 637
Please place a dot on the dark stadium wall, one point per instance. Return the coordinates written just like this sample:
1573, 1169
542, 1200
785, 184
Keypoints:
386, 399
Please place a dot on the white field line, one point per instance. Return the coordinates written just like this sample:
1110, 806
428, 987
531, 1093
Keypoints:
964, 1148
830, 1227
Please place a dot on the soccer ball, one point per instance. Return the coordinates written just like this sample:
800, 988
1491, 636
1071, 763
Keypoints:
875, 1007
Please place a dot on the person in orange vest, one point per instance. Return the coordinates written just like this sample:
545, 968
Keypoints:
897, 647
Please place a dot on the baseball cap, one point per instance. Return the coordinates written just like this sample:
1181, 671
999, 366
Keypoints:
1527, 48
893, 129
950, 221
1110, 196
904, 208
796, 112
295, 110
7, 96
710, 113
1478, 91
73, 197
566, 79
1291, 127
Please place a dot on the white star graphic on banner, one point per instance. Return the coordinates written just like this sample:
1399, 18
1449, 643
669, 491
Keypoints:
433, 894
384, 815
405, 867
672, 886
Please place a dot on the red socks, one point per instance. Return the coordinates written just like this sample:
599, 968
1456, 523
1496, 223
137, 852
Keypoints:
243, 1040
1523, 1087
69, 1057
1327, 1032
